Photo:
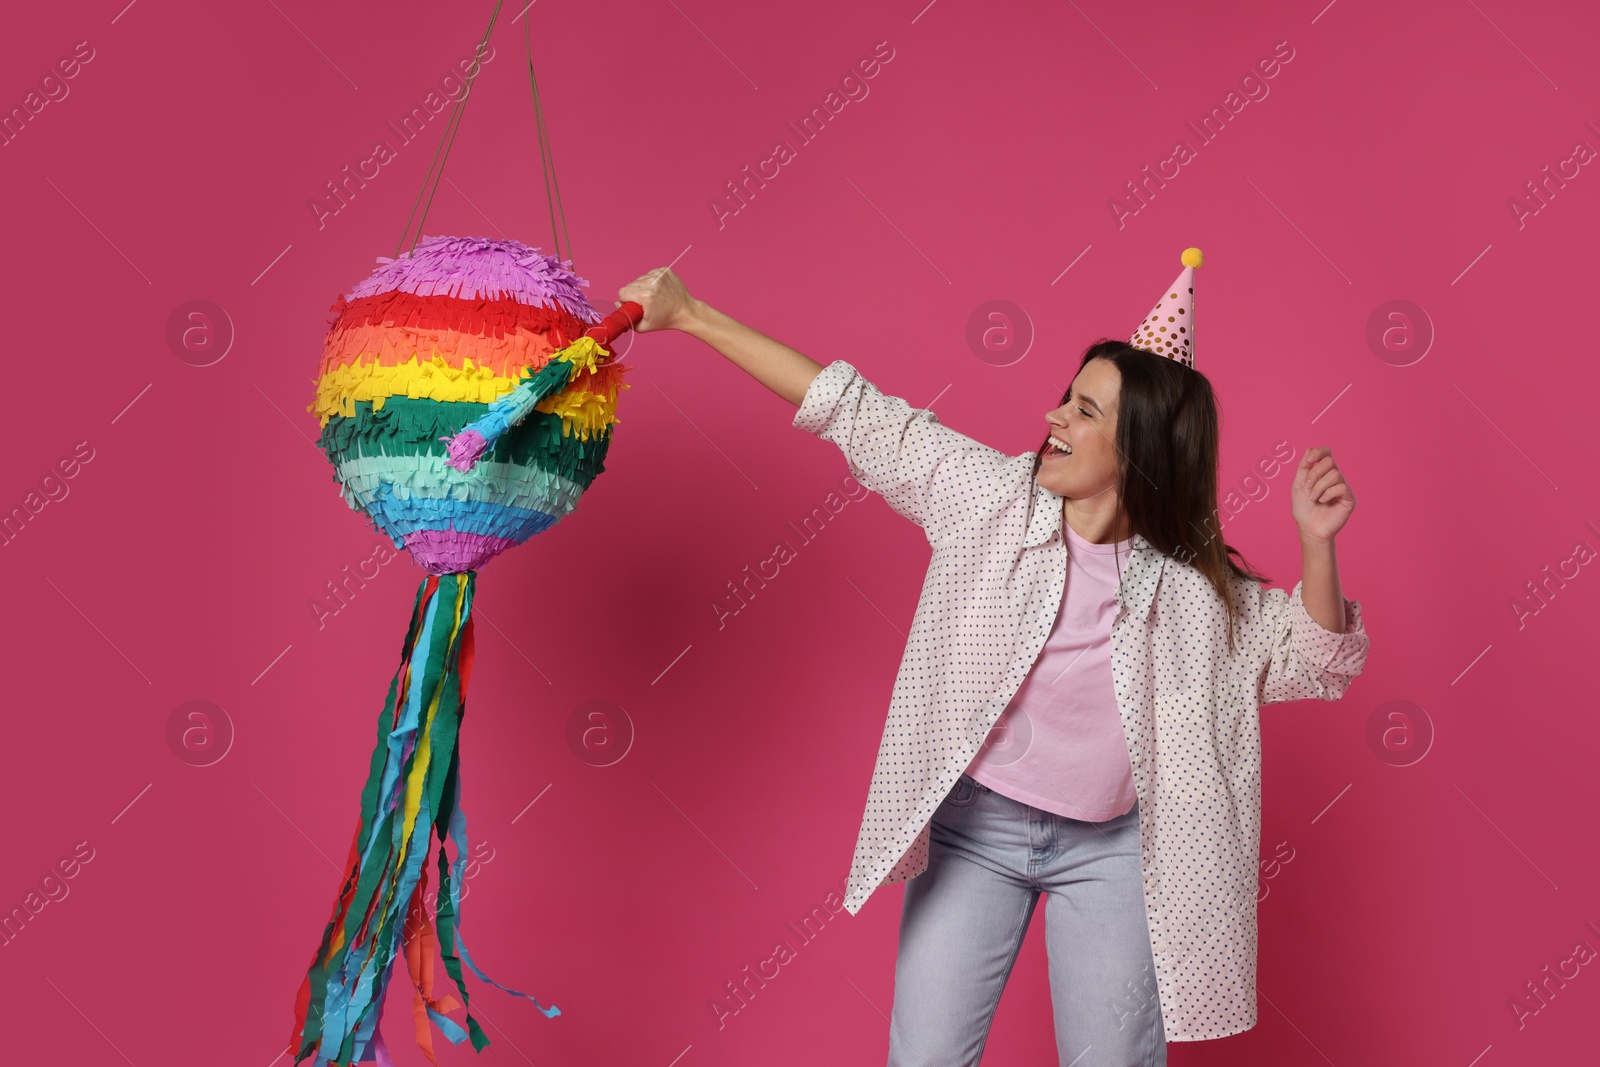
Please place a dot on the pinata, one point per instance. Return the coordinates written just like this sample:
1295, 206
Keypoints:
459, 332
467, 397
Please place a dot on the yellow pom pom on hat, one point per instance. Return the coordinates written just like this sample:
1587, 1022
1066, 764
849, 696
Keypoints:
1169, 328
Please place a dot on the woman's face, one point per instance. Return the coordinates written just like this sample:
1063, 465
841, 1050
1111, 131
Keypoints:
1087, 424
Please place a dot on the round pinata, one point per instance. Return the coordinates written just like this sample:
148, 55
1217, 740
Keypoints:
421, 349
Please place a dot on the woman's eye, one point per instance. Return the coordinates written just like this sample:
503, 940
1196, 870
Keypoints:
1085, 412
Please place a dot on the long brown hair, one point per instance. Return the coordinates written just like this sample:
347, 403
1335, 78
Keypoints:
1166, 441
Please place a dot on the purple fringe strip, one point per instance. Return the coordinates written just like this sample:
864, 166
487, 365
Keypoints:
479, 268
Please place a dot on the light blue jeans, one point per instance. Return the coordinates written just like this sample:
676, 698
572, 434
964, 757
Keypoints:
963, 921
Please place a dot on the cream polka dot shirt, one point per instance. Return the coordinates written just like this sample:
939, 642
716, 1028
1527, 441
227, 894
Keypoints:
993, 588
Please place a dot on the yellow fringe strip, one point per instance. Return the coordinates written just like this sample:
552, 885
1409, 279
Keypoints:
584, 411
587, 405
589, 402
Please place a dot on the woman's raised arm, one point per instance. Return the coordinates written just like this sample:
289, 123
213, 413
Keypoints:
668, 306
933, 475
1321, 502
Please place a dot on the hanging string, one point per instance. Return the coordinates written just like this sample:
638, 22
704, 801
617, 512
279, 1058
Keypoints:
443, 151
547, 158
552, 188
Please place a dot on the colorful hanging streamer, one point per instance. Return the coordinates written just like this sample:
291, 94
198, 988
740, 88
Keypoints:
413, 787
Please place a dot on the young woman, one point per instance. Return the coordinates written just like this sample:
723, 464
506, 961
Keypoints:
1076, 711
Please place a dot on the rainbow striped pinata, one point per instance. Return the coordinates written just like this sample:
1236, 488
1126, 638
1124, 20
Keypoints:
464, 409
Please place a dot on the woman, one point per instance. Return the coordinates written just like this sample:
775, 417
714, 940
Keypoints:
1129, 794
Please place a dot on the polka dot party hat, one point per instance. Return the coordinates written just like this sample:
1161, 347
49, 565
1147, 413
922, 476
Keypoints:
1169, 329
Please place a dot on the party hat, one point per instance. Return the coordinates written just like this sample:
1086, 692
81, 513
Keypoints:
1169, 329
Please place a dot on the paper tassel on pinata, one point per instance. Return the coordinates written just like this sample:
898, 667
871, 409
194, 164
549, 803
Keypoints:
424, 348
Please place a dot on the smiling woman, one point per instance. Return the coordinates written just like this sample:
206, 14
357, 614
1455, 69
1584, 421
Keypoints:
1084, 430
1142, 430
1142, 769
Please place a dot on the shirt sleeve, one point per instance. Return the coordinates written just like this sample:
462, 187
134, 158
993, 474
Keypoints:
931, 474
1308, 661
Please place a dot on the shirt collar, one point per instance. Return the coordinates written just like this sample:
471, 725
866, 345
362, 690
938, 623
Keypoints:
1140, 577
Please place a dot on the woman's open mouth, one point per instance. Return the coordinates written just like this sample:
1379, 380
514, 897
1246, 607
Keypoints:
1056, 447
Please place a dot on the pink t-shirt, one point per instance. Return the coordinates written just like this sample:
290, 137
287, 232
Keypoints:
1059, 745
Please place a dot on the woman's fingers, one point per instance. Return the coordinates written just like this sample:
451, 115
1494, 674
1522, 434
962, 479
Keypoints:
1315, 465
1306, 473
663, 296
1320, 477
1323, 484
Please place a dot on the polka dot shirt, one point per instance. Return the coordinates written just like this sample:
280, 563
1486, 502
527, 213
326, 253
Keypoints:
1188, 707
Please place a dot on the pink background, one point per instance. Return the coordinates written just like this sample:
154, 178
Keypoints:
1422, 894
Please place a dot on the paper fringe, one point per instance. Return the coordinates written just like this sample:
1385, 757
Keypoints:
514, 485
400, 518
510, 410
413, 787
453, 551
389, 462
390, 346
587, 406
400, 513
502, 335
497, 318
466, 448
404, 427
480, 267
